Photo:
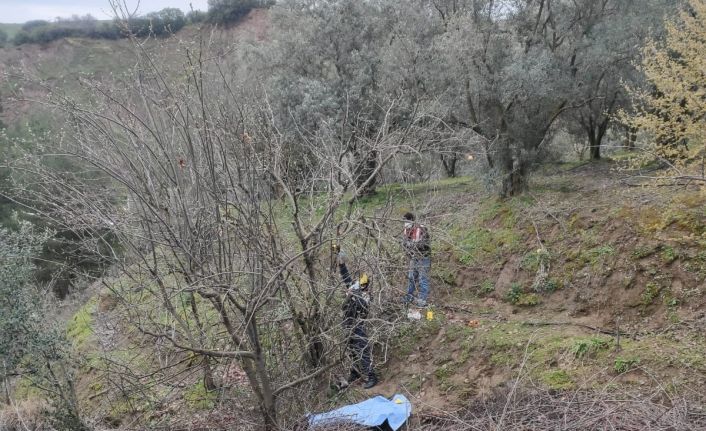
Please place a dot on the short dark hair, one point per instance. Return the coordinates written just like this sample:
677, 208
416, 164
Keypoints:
408, 216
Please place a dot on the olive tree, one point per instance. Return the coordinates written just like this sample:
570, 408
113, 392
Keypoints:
510, 69
329, 71
612, 50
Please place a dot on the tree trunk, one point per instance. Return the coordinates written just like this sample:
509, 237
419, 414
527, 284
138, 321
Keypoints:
259, 384
631, 137
208, 382
594, 149
596, 131
364, 180
315, 346
267, 402
514, 171
515, 181
7, 391
450, 165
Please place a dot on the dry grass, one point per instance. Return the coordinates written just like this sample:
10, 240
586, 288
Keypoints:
23, 415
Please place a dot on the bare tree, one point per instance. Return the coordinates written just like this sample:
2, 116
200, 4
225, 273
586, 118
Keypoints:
212, 262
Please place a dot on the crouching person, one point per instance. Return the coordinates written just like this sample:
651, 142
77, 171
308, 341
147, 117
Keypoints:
355, 311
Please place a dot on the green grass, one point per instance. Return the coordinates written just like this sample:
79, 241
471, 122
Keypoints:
649, 294
557, 379
198, 398
587, 347
622, 365
80, 328
669, 255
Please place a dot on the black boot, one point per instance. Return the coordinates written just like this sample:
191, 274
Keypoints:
372, 381
353, 376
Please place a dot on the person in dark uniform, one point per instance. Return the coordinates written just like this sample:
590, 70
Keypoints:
355, 311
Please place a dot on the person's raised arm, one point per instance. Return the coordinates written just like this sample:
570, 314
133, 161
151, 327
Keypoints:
345, 274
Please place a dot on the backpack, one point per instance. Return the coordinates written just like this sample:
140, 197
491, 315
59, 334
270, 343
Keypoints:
416, 239
417, 234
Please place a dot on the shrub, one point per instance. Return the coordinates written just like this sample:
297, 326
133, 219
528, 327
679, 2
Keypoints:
229, 11
623, 365
487, 287
588, 347
196, 16
514, 295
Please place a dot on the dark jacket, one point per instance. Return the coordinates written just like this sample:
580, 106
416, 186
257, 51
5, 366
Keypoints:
357, 304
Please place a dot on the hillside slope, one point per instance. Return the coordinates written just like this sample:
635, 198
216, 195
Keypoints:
582, 302
585, 290
62, 63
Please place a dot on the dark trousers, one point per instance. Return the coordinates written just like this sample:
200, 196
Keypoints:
359, 353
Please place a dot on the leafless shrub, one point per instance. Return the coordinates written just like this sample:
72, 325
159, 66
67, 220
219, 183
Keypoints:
222, 227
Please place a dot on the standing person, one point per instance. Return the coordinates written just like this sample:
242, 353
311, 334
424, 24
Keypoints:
355, 311
417, 245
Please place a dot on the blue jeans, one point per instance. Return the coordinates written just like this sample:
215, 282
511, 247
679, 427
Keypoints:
418, 270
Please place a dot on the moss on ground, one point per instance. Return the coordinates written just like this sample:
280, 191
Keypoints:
557, 379
197, 397
80, 328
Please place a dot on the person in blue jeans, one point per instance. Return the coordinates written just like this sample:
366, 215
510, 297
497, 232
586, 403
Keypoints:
417, 245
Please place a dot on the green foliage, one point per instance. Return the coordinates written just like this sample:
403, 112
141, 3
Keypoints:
199, 398
487, 287
528, 300
229, 11
480, 243
669, 255
162, 23
623, 365
671, 107
599, 253
501, 237
29, 345
196, 17
587, 347
649, 294
3, 37
642, 251
514, 294
557, 379
534, 259
20, 300
549, 285
475, 242
80, 327
10, 30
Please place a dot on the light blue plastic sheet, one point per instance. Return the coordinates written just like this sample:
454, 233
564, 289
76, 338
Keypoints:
372, 412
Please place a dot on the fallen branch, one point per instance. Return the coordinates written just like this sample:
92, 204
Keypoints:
580, 325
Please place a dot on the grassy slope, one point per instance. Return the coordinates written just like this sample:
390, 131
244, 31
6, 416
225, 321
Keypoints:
615, 255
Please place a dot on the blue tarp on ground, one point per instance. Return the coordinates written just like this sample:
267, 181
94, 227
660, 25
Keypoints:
372, 412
